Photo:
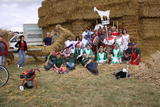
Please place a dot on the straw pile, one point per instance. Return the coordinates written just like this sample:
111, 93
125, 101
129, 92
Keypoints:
150, 70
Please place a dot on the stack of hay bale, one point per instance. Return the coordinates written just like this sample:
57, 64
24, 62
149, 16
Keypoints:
140, 17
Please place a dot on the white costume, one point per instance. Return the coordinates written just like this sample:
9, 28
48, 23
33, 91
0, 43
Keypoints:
69, 43
125, 42
110, 41
119, 41
116, 56
84, 42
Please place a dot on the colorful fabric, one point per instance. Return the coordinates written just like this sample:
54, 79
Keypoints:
109, 41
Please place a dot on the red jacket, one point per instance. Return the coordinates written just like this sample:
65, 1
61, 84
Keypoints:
6, 49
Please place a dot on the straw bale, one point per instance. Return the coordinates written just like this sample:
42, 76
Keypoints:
150, 28
139, 17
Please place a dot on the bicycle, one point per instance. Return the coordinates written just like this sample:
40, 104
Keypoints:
4, 76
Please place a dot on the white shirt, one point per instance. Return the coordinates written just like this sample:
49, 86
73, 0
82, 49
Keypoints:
125, 38
84, 42
68, 43
119, 40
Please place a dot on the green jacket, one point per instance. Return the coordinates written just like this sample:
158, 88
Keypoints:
88, 52
59, 62
52, 59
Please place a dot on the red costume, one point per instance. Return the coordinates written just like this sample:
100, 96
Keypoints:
115, 33
134, 56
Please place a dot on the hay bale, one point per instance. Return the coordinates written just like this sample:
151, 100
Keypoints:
150, 28
131, 12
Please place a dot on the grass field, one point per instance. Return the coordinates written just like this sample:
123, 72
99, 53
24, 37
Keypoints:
79, 88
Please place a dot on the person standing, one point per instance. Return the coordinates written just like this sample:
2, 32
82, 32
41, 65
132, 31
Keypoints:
126, 40
3, 50
119, 40
47, 40
22, 51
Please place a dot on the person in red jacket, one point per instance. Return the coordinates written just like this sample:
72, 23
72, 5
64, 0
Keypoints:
22, 51
135, 55
3, 50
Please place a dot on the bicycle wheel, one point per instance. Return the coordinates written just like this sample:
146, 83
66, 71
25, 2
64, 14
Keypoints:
4, 76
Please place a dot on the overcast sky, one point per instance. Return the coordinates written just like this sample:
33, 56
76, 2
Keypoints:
14, 13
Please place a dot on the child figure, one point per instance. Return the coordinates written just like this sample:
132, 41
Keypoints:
78, 52
88, 51
101, 56
67, 52
70, 62
51, 61
58, 66
117, 55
